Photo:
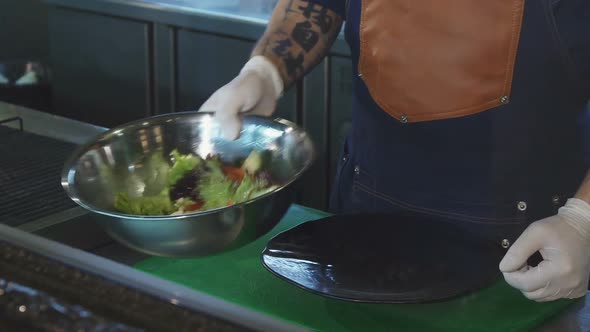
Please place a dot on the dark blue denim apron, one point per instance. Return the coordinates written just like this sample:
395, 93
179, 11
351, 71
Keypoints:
493, 172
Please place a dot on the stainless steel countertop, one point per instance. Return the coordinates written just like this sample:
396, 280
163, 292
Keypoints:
575, 318
57, 127
49, 125
131, 278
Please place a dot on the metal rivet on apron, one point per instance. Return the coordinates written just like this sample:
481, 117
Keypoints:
357, 170
344, 158
504, 99
360, 75
521, 206
505, 244
404, 118
555, 199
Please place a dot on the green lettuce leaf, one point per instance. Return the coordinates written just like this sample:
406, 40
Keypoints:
249, 188
146, 205
182, 165
155, 175
215, 191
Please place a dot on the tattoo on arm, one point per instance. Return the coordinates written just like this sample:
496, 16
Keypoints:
318, 15
304, 35
312, 30
288, 10
265, 44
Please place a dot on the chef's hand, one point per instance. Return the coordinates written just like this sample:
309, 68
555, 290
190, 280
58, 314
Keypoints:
254, 91
564, 242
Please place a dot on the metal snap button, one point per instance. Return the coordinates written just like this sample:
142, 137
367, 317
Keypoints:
555, 199
360, 75
505, 243
344, 158
404, 119
357, 170
504, 99
521, 206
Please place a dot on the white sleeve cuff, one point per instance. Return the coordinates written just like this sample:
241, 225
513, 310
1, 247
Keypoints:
264, 67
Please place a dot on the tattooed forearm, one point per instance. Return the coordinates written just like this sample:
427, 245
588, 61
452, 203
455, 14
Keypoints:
265, 45
318, 15
298, 36
304, 35
289, 10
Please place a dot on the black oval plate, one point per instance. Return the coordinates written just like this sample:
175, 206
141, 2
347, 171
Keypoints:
383, 258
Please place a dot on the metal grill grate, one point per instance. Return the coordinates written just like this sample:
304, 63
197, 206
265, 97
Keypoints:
30, 184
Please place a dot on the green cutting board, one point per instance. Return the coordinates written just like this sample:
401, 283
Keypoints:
239, 277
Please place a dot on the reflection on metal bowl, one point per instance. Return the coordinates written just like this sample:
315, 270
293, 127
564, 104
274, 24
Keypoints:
118, 160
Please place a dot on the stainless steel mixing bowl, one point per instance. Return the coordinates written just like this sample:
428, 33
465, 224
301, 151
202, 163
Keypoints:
119, 160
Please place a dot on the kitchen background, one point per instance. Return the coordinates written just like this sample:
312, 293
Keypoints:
107, 62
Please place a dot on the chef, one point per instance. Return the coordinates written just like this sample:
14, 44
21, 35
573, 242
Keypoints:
472, 111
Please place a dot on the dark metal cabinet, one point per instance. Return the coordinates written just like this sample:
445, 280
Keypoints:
164, 72
327, 110
340, 109
23, 30
315, 120
206, 62
101, 67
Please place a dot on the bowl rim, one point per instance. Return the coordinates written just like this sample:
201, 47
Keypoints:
68, 170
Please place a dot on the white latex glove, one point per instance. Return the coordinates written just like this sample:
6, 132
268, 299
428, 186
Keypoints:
254, 91
564, 242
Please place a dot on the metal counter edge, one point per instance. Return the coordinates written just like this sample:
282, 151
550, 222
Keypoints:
135, 279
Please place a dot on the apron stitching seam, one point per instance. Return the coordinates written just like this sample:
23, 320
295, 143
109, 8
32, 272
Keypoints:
471, 219
361, 38
469, 109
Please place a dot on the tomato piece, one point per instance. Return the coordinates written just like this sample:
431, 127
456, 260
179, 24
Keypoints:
235, 174
193, 207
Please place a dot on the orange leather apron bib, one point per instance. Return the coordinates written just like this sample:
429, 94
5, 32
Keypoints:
437, 59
